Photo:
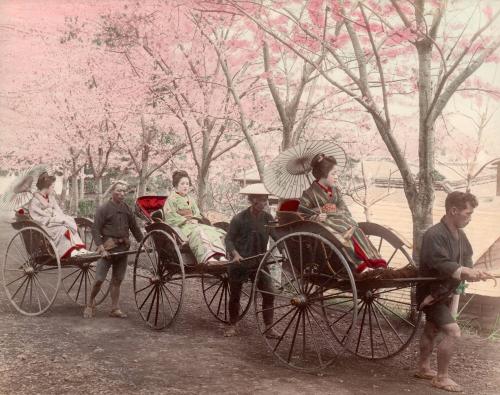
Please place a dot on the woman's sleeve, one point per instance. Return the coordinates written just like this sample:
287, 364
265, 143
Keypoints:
38, 213
195, 208
341, 206
171, 215
305, 200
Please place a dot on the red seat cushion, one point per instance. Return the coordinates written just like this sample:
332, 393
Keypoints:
150, 204
289, 205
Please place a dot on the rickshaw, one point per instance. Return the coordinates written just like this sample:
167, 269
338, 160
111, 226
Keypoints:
160, 275
33, 272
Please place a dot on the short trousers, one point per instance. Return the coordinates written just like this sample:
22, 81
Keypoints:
119, 264
439, 314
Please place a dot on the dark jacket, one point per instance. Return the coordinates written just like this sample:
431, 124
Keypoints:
114, 221
440, 256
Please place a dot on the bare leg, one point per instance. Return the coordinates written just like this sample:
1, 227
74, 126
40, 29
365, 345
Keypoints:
444, 353
115, 294
427, 343
89, 309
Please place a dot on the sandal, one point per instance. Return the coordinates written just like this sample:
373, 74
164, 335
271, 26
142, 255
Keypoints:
117, 313
88, 312
230, 331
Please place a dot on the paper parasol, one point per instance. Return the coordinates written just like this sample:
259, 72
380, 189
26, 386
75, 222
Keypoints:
288, 174
20, 191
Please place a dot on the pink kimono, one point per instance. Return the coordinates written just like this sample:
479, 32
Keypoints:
60, 227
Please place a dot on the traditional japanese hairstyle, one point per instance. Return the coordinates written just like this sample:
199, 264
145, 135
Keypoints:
321, 165
178, 175
44, 181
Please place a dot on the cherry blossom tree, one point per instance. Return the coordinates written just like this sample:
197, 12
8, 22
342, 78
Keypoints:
383, 56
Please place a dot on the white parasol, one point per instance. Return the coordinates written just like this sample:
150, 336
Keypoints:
288, 174
20, 191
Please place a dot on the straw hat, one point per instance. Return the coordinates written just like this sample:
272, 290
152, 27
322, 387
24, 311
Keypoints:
255, 189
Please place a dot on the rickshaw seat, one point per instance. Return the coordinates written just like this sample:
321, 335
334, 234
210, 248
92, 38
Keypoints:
289, 205
149, 207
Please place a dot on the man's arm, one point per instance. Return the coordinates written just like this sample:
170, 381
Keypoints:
437, 255
134, 227
231, 236
98, 224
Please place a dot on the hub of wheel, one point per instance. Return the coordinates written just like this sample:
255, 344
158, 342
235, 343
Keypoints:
299, 301
155, 279
369, 297
29, 271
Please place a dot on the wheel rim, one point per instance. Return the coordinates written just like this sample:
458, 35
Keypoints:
305, 337
388, 318
217, 292
158, 279
31, 271
78, 279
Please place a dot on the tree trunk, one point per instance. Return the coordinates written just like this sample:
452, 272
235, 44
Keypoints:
421, 206
203, 188
98, 190
74, 201
64, 190
143, 175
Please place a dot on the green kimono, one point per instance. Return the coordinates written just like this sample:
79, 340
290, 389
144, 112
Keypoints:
339, 220
205, 241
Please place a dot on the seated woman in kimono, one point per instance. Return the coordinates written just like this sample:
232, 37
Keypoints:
206, 242
323, 196
60, 227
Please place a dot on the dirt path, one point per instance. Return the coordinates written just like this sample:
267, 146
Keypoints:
60, 352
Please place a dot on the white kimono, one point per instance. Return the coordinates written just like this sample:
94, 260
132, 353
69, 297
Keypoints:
60, 227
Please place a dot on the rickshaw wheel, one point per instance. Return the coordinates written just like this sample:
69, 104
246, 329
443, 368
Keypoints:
31, 271
158, 279
79, 277
388, 318
216, 293
303, 337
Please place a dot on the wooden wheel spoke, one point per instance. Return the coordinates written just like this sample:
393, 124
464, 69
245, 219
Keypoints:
371, 329
41, 289
65, 277
152, 303
325, 337
147, 297
362, 327
380, 330
294, 336
290, 263
279, 320
315, 345
393, 312
17, 279
26, 290
273, 308
212, 285
395, 301
165, 287
274, 294
220, 298
20, 286
285, 330
389, 323
215, 294
390, 290
164, 294
142, 289
157, 307
392, 256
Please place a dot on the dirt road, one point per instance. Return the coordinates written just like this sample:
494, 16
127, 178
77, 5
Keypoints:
60, 352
